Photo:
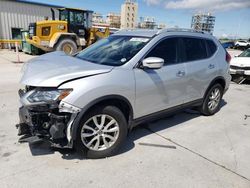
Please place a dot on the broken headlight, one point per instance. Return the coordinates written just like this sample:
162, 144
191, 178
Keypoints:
37, 96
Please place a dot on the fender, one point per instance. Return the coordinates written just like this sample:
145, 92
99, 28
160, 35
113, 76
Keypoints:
76, 122
218, 79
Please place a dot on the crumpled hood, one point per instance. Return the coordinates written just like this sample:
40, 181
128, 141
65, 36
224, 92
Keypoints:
241, 61
52, 69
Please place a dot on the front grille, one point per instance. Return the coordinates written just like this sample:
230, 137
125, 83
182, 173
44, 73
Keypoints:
239, 68
29, 88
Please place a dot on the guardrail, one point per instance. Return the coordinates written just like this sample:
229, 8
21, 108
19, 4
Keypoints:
16, 42
10, 41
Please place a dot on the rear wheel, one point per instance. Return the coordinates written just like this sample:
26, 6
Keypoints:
68, 46
212, 100
101, 132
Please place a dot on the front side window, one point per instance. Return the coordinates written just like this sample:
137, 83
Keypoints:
167, 50
114, 50
195, 49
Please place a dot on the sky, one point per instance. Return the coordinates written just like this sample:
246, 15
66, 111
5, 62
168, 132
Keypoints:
232, 16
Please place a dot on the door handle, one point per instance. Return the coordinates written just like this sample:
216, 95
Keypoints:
211, 66
180, 73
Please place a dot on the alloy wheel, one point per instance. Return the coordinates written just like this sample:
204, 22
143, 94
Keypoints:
214, 99
99, 132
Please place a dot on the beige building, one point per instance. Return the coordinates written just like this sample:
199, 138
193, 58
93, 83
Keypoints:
147, 23
129, 14
162, 26
98, 18
114, 20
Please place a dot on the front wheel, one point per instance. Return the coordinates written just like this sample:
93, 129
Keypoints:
212, 100
101, 132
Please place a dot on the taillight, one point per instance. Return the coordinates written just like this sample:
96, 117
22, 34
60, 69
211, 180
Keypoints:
228, 57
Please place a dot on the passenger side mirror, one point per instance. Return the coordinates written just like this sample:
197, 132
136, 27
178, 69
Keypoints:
153, 62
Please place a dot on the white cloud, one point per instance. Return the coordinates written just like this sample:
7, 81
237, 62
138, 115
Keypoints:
153, 2
201, 4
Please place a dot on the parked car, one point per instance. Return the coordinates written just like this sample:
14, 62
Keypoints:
242, 44
240, 65
91, 100
227, 44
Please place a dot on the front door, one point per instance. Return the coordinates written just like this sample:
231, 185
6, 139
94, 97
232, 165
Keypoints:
159, 89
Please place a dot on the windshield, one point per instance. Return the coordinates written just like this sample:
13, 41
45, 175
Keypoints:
245, 53
114, 50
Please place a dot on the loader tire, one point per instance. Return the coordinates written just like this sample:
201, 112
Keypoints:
68, 46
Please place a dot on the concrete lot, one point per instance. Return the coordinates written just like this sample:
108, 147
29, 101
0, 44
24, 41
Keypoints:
187, 150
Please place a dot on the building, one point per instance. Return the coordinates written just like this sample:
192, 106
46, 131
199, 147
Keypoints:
203, 22
16, 15
147, 23
161, 26
99, 21
114, 20
129, 12
98, 18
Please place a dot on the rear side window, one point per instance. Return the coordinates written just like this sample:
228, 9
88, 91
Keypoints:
194, 49
167, 50
211, 47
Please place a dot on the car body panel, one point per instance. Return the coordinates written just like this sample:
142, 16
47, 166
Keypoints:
119, 82
159, 89
199, 76
52, 69
241, 61
240, 66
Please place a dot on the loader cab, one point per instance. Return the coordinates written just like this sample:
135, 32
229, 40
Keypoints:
79, 21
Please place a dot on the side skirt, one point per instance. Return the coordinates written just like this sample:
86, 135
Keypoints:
165, 113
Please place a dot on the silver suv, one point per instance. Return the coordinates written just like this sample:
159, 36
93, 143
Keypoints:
91, 100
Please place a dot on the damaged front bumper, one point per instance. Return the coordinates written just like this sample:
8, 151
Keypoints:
46, 122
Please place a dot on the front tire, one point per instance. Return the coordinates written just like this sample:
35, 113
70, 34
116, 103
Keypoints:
101, 132
212, 100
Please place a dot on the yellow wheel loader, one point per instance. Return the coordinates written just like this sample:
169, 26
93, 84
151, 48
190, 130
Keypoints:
72, 32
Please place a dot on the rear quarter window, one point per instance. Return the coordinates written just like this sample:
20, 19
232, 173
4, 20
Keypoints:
211, 47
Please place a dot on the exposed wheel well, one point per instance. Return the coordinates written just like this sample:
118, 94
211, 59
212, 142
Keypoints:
220, 81
122, 104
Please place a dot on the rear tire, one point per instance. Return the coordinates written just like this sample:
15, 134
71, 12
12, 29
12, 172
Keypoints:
68, 46
212, 100
101, 132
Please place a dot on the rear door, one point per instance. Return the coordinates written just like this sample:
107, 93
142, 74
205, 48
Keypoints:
159, 89
201, 67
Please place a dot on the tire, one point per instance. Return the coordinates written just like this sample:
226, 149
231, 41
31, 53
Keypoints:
206, 107
85, 144
68, 46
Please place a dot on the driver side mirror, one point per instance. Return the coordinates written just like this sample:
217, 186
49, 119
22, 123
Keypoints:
153, 62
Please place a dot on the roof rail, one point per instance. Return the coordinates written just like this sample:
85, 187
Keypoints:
178, 29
